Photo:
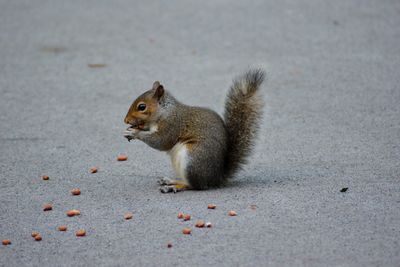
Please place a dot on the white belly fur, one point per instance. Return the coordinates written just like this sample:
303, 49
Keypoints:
180, 159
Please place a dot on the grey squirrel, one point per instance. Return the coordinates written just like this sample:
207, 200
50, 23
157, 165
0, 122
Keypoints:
205, 149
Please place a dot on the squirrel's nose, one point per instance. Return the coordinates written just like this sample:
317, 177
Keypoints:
131, 122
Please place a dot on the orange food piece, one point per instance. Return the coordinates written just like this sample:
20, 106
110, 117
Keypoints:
38, 238
45, 177
62, 228
93, 170
47, 207
232, 213
141, 126
76, 191
211, 206
72, 213
180, 215
128, 216
187, 231
81, 232
6, 242
186, 217
34, 234
200, 224
122, 157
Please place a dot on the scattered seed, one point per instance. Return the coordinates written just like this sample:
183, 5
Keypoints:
186, 231
93, 170
186, 217
232, 213
34, 234
97, 65
200, 224
122, 157
344, 189
38, 238
208, 225
180, 215
76, 191
47, 207
211, 206
6, 242
81, 232
128, 216
72, 213
45, 177
62, 228
169, 245
253, 207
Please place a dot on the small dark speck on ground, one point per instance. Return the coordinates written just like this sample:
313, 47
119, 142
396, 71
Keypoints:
53, 49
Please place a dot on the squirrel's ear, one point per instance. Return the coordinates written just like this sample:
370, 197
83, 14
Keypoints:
156, 84
159, 90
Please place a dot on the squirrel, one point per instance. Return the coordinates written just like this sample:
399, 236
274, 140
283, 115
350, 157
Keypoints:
205, 149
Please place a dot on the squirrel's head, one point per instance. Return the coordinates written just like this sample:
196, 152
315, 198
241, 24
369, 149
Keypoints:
144, 109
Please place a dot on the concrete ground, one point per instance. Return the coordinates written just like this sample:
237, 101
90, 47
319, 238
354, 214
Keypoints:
332, 120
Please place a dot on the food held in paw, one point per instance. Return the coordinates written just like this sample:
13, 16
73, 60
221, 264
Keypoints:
141, 126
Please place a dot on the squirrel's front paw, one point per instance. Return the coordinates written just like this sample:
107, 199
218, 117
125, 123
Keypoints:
130, 133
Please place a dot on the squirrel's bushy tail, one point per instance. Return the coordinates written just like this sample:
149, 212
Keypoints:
243, 111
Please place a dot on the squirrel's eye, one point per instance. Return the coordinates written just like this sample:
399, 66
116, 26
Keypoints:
141, 107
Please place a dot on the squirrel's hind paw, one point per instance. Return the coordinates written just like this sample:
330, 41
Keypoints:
168, 181
168, 189
172, 188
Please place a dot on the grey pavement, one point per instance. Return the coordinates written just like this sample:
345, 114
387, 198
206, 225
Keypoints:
332, 120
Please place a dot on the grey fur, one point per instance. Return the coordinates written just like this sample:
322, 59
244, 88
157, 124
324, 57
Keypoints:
243, 112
